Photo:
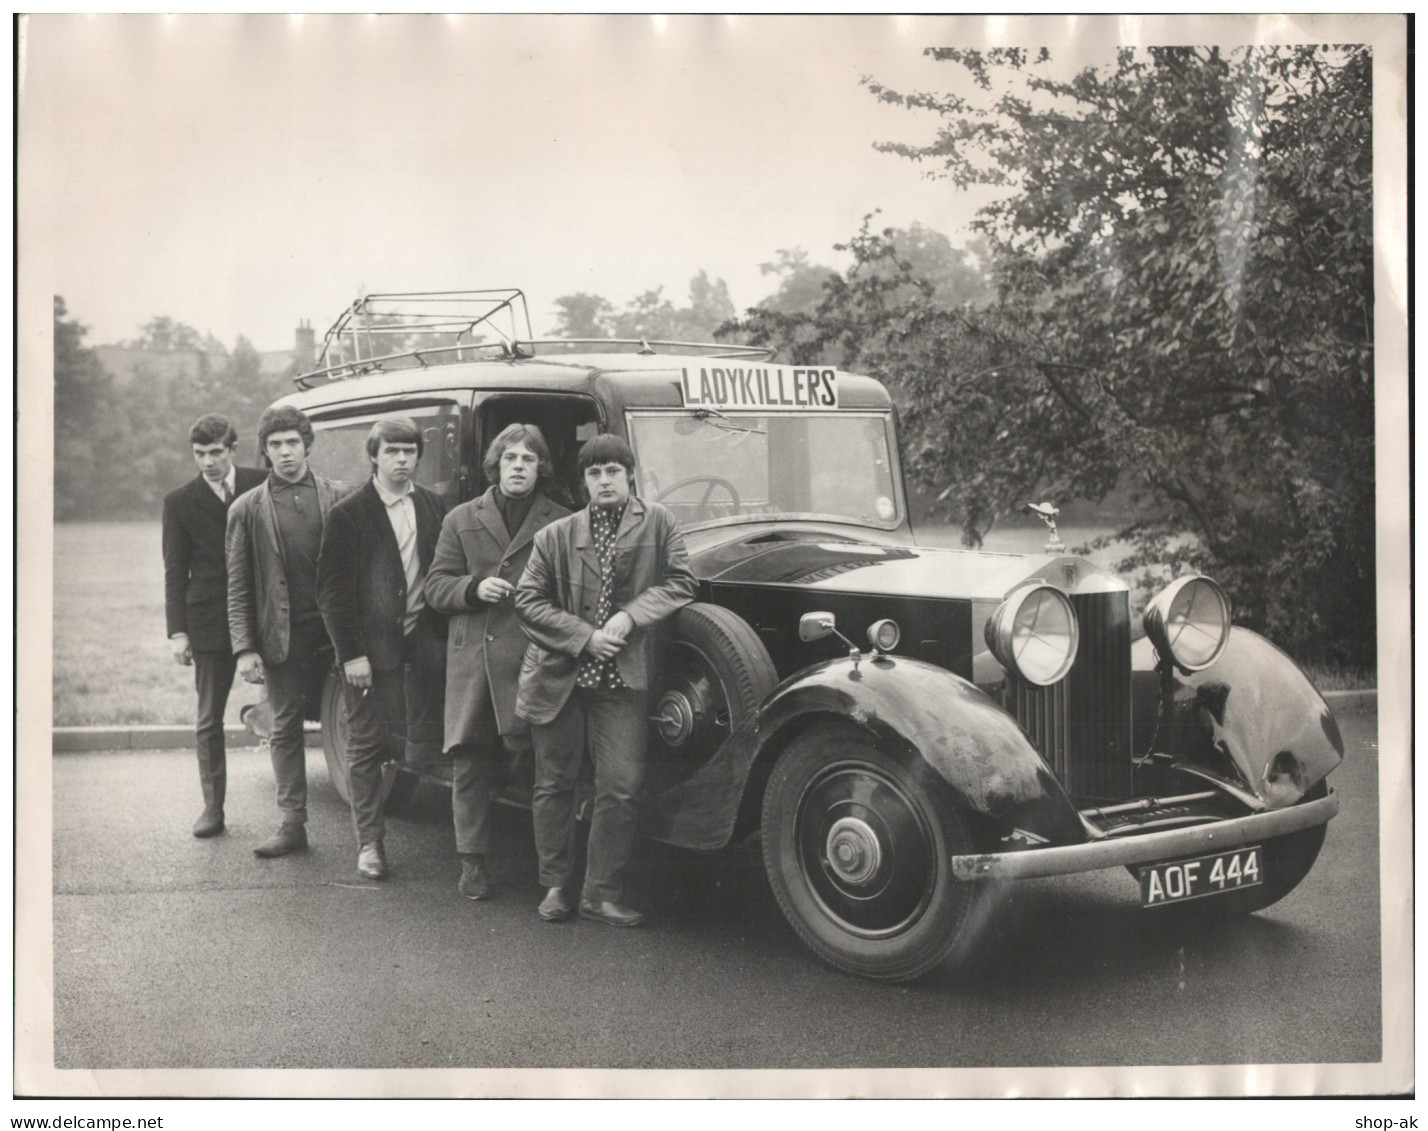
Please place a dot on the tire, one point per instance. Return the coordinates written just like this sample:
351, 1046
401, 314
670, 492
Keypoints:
887, 906
398, 785
1289, 858
1286, 859
714, 674
334, 736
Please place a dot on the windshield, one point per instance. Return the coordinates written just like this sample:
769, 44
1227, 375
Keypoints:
818, 465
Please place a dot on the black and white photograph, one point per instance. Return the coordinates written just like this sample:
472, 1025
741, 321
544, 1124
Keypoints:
686, 556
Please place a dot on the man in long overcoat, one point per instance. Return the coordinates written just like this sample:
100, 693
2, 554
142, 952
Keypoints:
480, 555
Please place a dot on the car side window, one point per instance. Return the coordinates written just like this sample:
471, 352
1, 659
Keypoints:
340, 450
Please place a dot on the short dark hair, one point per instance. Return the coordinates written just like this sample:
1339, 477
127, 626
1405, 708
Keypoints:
605, 448
213, 429
283, 418
394, 430
509, 437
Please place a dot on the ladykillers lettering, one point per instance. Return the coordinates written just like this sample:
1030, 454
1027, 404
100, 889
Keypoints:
765, 387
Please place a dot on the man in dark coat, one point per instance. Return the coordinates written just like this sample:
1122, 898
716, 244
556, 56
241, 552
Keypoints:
274, 533
376, 551
482, 551
196, 595
597, 582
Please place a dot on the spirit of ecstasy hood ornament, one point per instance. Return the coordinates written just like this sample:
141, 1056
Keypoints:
1047, 513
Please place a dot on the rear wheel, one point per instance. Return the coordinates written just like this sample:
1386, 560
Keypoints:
334, 736
398, 785
858, 851
1288, 859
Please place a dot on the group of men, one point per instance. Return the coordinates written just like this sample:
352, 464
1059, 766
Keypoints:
509, 623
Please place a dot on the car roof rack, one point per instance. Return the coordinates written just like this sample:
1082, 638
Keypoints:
545, 347
379, 333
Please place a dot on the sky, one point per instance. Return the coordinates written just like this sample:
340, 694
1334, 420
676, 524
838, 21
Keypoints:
242, 173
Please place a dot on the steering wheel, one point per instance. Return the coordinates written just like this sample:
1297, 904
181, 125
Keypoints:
713, 481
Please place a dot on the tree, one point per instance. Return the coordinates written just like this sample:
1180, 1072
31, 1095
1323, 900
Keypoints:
85, 434
582, 315
649, 314
163, 334
1182, 256
800, 285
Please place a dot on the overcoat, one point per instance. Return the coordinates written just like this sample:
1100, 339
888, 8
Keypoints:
556, 600
258, 617
195, 562
484, 643
362, 586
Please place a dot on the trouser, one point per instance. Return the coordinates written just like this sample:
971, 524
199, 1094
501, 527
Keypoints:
473, 773
287, 695
400, 715
615, 725
213, 679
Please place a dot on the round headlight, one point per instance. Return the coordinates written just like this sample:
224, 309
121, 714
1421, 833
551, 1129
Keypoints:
1033, 634
884, 635
1189, 623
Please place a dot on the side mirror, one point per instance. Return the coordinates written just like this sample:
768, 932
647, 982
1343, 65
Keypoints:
815, 626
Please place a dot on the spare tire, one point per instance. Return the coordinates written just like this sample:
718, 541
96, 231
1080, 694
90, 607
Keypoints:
334, 736
714, 674
398, 783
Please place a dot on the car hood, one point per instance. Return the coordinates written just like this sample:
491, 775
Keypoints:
810, 561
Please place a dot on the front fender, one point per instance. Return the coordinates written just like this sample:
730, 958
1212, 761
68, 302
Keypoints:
907, 706
1252, 714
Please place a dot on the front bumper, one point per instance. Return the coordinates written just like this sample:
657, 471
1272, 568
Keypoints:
1218, 836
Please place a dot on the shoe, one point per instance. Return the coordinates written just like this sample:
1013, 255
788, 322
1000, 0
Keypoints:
290, 837
474, 882
554, 908
372, 861
209, 823
605, 911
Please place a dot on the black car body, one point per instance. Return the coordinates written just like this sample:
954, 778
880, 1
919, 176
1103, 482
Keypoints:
1005, 726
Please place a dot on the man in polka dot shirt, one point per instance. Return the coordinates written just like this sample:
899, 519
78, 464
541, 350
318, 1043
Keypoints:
595, 584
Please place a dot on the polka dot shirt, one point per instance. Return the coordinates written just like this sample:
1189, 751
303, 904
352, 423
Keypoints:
604, 524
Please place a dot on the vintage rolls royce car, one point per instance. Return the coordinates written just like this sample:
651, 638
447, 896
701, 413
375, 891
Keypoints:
904, 727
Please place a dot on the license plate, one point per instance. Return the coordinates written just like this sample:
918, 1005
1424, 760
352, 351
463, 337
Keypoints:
1204, 875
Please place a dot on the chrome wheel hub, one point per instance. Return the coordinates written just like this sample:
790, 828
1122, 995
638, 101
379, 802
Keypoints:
853, 851
675, 718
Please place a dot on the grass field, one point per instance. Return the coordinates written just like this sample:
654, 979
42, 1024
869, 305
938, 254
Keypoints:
111, 656
111, 659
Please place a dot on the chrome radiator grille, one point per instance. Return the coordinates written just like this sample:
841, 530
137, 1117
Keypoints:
1082, 724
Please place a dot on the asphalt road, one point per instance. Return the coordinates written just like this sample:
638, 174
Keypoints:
174, 952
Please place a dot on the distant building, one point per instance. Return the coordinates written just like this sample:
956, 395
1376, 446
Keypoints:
129, 363
299, 359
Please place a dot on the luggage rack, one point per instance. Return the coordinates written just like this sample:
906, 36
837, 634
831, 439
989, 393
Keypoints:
383, 332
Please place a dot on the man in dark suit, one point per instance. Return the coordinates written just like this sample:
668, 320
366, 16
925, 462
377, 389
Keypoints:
376, 550
482, 551
274, 533
196, 595
596, 585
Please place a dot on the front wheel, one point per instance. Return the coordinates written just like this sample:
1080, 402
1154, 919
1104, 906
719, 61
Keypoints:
858, 851
1289, 858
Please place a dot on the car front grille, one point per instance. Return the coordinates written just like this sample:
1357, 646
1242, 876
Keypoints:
1081, 725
